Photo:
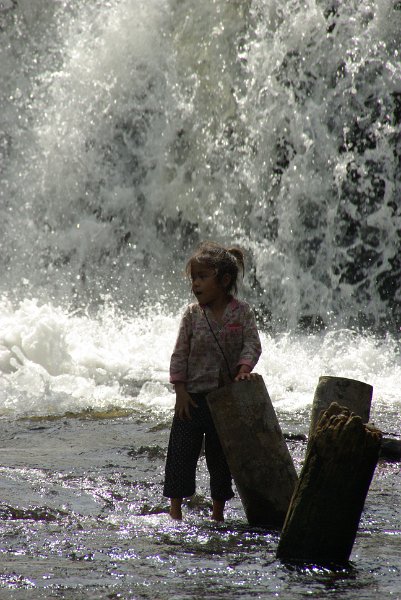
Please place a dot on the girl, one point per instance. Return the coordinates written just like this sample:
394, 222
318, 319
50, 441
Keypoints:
217, 343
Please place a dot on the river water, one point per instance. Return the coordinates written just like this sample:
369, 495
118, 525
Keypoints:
129, 131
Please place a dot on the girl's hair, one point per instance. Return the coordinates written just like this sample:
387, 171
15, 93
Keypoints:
222, 260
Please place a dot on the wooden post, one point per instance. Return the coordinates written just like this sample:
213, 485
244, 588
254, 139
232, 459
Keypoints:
354, 395
323, 518
256, 452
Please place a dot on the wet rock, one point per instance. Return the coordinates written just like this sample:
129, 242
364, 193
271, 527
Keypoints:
390, 449
311, 323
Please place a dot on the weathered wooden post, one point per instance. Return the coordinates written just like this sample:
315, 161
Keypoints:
354, 395
357, 397
256, 452
324, 514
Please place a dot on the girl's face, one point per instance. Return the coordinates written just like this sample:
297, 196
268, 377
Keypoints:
205, 285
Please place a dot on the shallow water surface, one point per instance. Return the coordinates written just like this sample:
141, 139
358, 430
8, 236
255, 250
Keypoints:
82, 516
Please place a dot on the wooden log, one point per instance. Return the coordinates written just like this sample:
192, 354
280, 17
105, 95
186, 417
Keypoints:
256, 452
323, 517
354, 395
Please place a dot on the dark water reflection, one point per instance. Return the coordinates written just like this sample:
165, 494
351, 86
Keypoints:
81, 516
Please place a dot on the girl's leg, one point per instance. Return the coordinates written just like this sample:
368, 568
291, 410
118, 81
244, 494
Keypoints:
220, 476
182, 456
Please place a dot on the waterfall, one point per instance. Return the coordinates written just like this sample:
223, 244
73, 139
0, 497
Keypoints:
129, 131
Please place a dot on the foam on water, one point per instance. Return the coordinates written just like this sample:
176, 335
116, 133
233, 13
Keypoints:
54, 362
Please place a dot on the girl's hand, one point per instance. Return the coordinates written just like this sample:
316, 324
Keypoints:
183, 401
244, 374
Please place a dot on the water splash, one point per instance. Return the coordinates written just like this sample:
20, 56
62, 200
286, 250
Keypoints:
323, 104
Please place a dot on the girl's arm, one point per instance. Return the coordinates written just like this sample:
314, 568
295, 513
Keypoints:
179, 358
179, 366
252, 347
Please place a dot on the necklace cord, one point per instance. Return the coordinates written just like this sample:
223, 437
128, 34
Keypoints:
218, 343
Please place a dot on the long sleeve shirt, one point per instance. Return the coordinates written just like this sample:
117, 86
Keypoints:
197, 359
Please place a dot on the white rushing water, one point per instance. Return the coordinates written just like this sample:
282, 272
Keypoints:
53, 363
130, 130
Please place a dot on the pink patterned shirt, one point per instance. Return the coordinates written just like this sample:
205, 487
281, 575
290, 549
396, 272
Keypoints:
197, 359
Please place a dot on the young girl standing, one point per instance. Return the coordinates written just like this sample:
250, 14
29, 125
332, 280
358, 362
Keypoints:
217, 343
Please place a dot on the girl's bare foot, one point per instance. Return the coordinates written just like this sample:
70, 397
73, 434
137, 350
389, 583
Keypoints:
175, 509
218, 510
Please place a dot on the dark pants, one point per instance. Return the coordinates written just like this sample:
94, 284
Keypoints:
184, 448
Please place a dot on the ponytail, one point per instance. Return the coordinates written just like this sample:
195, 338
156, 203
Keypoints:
239, 257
